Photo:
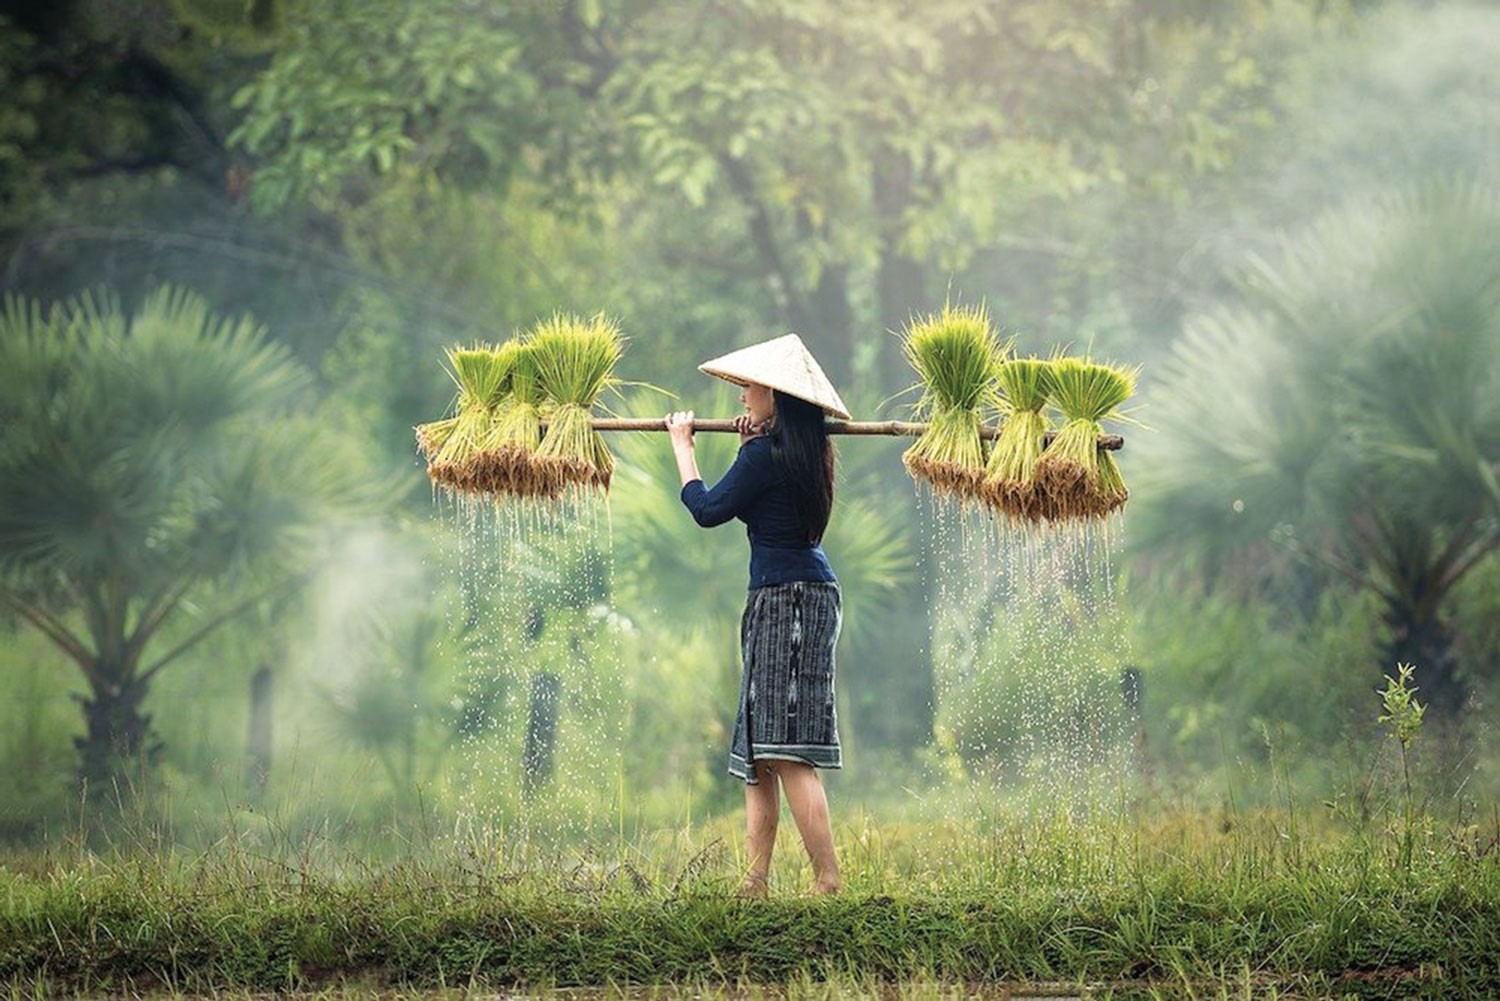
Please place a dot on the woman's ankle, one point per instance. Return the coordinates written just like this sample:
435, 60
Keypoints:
754, 885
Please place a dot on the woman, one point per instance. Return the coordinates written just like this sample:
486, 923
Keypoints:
781, 486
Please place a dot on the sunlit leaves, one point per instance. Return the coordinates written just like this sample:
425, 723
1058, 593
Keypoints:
359, 87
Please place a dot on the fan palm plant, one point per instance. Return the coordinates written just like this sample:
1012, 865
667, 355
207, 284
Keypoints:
1349, 409
155, 483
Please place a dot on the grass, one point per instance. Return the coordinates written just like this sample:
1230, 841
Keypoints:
1165, 907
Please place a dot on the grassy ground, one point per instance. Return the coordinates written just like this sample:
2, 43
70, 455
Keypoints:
1182, 906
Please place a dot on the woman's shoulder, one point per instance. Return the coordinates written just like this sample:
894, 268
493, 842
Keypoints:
757, 447
757, 457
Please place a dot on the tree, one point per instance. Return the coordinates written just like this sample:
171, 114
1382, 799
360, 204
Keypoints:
844, 159
1344, 411
90, 96
869, 151
157, 480
114, 162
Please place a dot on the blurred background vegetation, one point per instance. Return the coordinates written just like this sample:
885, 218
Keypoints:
236, 234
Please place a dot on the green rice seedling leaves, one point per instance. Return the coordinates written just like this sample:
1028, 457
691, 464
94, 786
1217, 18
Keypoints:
431, 437
482, 371
1009, 485
956, 354
454, 446
1076, 477
575, 360
517, 434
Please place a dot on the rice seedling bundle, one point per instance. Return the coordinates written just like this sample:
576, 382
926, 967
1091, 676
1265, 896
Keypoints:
575, 360
1009, 484
453, 446
955, 353
1078, 479
432, 436
507, 454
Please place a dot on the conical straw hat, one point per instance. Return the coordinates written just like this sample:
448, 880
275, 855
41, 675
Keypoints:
785, 364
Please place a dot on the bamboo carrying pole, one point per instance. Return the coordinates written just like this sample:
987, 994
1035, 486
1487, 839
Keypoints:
1111, 442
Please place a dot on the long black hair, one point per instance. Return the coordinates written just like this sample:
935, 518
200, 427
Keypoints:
804, 457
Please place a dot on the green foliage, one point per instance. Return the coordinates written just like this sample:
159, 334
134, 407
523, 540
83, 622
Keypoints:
20, 178
1168, 907
1346, 411
151, 461
827, 151
1400, 709
124, 98
356, 89
1216, 668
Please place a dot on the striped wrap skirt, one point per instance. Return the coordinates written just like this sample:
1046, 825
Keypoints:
787, 638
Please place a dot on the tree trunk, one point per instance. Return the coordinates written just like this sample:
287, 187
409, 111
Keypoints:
901, 280
901, 289
1133, 695
832, 337
258, 740
541, 732
1422, 639
118, 734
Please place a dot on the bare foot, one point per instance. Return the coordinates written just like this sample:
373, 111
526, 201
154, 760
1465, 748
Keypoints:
754, 888
826, 887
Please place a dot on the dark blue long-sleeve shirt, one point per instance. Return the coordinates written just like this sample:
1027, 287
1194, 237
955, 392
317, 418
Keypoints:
754, 492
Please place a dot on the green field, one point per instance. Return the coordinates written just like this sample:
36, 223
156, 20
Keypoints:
1188, 906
